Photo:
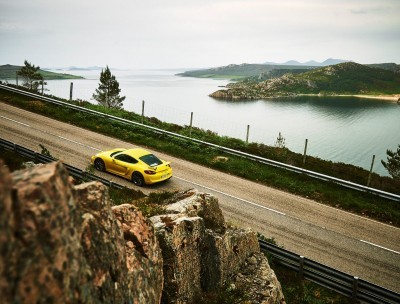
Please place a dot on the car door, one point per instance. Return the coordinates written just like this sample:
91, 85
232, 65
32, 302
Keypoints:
120, 164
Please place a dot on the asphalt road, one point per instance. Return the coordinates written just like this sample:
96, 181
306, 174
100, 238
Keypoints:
350, 243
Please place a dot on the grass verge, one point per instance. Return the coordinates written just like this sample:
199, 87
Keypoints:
325, 192
294, 288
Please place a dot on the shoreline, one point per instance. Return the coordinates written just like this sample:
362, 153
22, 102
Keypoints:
391, 98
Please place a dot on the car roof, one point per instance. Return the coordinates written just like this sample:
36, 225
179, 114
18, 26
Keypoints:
137, 152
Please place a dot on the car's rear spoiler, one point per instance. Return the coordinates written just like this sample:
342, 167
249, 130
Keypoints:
155, 167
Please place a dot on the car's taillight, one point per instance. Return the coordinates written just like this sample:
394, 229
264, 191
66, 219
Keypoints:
150, 172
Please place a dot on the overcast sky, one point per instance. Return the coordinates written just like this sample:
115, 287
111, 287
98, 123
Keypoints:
194, 34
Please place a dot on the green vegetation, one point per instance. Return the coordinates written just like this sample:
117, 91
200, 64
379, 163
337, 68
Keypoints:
393, 163
324, 192
244, 71
12, 160
31, 78
347, 78
294, 288
10, 71
300, 291
107, 94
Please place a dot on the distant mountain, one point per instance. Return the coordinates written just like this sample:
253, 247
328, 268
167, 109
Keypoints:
74, 68
8, 71
259, 72
245, 71
347, 78
329, 61
92, 68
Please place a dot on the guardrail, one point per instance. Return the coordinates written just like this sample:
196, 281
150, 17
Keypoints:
44, 159
256, 158
330, 278
338, 281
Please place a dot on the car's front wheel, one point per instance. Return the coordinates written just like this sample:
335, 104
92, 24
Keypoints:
137, 179
99, 164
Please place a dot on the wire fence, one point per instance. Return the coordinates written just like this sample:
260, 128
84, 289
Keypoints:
256, 125
245, 155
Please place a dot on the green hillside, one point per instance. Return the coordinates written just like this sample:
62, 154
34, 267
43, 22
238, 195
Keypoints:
9, 72
345, 78
244, 71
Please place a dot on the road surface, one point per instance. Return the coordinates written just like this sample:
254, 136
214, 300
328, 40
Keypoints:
350, 243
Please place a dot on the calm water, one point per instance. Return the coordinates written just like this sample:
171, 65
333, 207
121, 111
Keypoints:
349, 130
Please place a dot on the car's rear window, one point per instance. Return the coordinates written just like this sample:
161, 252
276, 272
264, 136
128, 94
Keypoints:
151, 160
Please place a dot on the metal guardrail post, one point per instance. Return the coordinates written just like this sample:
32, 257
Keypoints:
355, 288
301, 266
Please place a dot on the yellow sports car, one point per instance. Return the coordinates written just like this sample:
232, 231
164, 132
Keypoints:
138, 165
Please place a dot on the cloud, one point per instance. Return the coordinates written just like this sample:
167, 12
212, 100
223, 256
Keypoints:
177, 33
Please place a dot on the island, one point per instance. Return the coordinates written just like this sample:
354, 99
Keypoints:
263, 81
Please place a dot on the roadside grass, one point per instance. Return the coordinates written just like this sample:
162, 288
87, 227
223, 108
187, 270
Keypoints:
295, 289
12, 160
325, 192
300, 291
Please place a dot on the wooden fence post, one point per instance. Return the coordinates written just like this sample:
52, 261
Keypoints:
305, 152
142, 111
191, 124
370, 170
70, 90
247, 134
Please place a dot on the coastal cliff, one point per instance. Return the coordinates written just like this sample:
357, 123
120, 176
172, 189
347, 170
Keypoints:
64, 243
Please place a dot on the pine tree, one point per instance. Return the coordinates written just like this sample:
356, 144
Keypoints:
107, 94
393, 163
31, 77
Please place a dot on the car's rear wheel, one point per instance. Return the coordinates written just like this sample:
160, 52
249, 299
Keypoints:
99, 164
137, 179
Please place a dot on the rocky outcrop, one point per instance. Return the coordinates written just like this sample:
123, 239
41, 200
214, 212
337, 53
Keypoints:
62, 243
65, 244
201, 253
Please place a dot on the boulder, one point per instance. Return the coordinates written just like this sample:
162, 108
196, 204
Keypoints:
66, 244
201, 253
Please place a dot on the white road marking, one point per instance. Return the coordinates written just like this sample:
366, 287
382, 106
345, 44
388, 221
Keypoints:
61, 137
75, 142
226, 194
211, 189
18, 122
375, 245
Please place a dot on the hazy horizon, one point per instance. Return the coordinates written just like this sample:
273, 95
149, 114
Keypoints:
181, 34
